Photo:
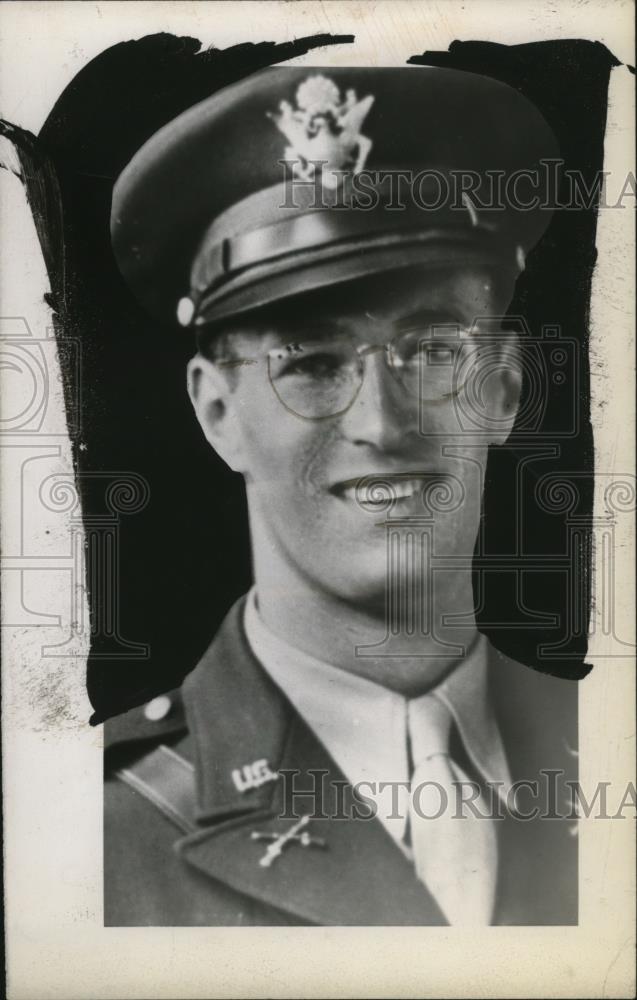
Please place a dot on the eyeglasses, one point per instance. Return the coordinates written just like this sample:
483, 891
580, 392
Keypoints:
317, 379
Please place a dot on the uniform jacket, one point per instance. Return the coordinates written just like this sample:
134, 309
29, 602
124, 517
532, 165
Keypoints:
187, 855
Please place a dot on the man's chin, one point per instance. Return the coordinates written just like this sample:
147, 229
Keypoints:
362, 582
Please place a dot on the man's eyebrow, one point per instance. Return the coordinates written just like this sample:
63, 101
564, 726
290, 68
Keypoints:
308, 328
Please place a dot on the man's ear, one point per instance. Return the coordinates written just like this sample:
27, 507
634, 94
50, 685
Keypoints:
492, 397
507, 389
212, 400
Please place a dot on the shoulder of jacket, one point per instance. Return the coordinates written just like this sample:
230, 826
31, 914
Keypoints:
535, 700
140, 729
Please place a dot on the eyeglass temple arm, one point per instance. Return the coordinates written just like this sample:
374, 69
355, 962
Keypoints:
236, 362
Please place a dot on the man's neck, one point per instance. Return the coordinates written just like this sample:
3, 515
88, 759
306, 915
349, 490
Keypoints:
359, 637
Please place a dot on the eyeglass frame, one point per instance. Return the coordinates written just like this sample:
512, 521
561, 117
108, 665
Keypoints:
362, 351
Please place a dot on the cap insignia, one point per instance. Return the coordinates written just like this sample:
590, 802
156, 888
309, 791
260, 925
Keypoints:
323, 131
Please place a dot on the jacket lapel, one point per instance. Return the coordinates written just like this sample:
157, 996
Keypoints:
359, 876
538, 857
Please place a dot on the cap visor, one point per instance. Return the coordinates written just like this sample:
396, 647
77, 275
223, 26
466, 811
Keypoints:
304, 272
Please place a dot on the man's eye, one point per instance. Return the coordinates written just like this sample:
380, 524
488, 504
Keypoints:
430, 355
313, 366
439, 355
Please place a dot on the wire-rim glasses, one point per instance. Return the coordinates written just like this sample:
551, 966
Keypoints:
321, 378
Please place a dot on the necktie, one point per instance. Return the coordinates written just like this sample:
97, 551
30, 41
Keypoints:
455, 851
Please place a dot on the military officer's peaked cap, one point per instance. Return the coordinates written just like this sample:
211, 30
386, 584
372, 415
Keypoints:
290, 181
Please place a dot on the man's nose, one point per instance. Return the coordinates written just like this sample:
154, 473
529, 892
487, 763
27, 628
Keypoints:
382, 412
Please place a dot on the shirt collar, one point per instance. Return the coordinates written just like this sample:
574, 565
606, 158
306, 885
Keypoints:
465, 692
363, 725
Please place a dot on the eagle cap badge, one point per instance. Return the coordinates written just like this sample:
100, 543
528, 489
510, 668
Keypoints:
323, 131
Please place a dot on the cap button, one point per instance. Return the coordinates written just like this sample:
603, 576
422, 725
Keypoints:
185, 311
158, 708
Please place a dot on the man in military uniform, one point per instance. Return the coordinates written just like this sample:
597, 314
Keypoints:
346, 296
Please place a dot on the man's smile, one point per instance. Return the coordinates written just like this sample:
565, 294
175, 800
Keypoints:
378, 490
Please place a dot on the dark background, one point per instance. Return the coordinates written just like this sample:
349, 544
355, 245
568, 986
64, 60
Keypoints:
183, 556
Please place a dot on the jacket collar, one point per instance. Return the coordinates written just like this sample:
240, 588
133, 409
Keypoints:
237, 718
536, 714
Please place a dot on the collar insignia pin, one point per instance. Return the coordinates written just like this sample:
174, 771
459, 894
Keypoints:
279, 841
253, 775
324, 130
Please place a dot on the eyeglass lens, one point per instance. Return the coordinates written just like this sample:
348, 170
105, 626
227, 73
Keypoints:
316, 379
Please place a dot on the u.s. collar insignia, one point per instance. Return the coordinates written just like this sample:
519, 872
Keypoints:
324, 131
253, 775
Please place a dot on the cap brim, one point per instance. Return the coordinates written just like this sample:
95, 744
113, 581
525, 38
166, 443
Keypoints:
334, 265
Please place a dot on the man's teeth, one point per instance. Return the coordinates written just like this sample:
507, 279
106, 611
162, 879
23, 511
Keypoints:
406, 489
380, 494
